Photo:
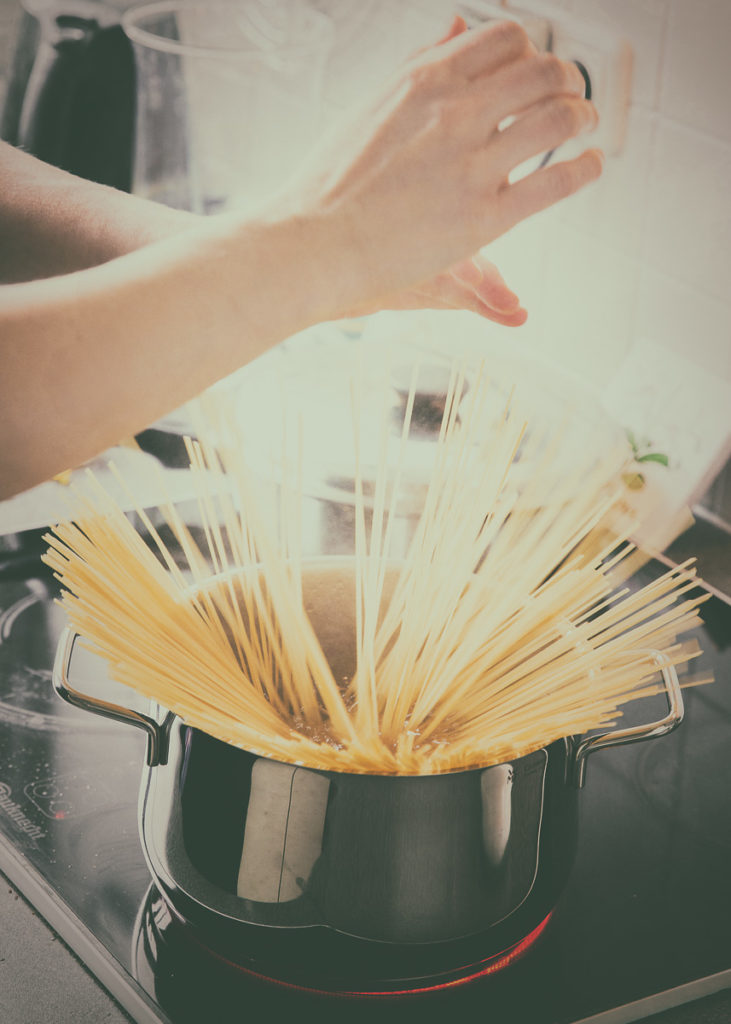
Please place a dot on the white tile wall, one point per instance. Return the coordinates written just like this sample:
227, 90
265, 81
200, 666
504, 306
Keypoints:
679, 316
696, 80
591, 336
688, 229
664, 204
643, 23
614, 211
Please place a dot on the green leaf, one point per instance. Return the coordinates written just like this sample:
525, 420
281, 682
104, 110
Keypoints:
653, 457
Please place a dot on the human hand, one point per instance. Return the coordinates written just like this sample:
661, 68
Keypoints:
420, 181
473, 284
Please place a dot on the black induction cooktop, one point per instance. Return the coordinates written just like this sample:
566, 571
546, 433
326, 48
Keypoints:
642, 925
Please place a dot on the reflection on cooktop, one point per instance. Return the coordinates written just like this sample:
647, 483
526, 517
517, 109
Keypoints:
30, 626
667, 786
29, 631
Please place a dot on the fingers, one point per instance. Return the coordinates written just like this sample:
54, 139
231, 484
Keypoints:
467, 54
510, 79
522, 83
458, 26
547, 186
544, 127
477, 285
442, 293
484, 278
425, 178
473, 284
447, 291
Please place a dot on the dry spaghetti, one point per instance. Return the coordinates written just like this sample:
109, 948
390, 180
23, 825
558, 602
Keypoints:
504, 628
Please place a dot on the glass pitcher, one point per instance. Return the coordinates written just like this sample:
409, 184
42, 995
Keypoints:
228, 98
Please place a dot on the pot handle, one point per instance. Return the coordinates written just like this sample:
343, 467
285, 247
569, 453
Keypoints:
157, 735
637, 733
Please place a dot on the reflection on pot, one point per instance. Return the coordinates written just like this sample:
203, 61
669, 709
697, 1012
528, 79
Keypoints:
333, 879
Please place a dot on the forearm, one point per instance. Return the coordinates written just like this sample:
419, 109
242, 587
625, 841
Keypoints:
53, 223
96, 356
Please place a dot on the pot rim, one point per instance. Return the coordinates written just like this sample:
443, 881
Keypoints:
170, 719
176, 720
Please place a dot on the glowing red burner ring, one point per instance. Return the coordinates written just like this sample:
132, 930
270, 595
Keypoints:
482, 969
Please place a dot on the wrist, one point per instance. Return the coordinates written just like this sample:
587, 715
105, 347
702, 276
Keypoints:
303, 263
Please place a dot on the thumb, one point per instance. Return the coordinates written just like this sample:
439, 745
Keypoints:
487, 282
458, 26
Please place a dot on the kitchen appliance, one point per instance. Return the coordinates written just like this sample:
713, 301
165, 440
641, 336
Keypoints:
228, 98
642, 923
194, 105
71, 91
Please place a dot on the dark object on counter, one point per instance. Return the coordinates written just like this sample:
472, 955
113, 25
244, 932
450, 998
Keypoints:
20, 555
71, 95
165, 445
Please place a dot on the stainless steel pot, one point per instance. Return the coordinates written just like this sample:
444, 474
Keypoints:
351, 882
